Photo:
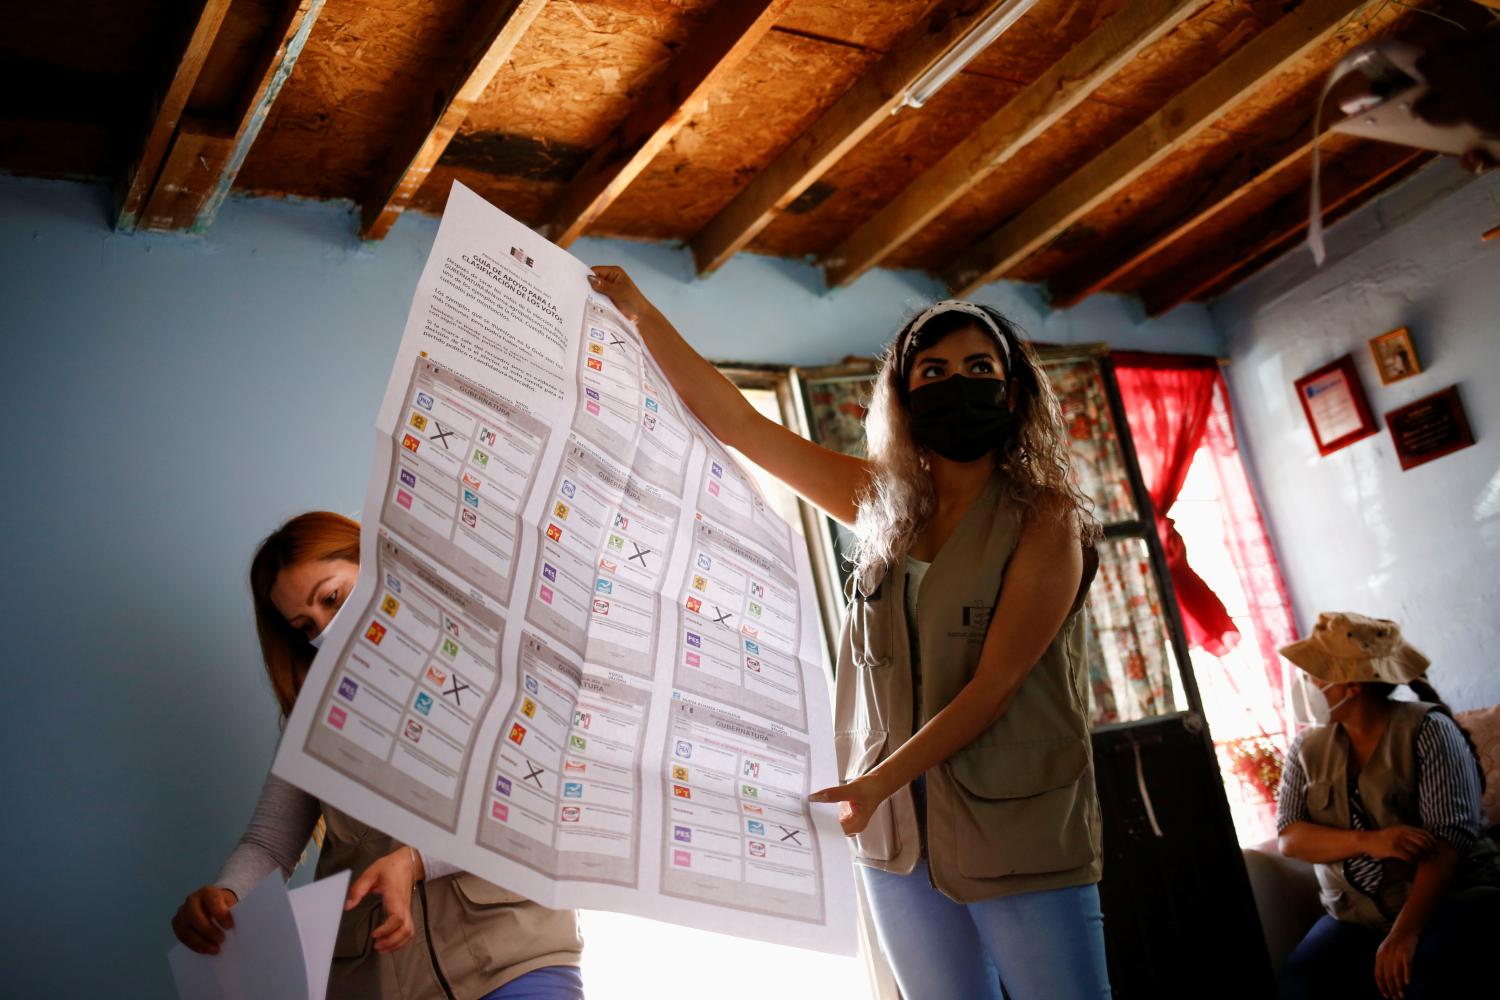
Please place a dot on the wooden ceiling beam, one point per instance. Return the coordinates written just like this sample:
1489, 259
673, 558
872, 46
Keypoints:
492, 35
1217, 93
1348, 182
715, 49
861, 109
140, 174
1059, 90
207, 152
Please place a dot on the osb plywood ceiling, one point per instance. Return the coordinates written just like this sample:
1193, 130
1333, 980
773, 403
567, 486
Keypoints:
1160, 148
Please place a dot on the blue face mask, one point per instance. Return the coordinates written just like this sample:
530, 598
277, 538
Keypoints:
317, 640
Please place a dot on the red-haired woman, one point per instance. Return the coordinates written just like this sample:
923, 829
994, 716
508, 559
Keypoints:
478, 941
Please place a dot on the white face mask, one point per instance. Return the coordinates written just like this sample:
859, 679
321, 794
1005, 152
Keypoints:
1328, 712
317, 640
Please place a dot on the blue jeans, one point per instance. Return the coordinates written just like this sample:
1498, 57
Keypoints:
554, 982
1042, 945
1454, 954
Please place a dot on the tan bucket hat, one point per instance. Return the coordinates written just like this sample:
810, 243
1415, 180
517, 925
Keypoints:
1348, 648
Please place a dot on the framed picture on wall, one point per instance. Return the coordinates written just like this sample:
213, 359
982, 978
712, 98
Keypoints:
1335, 404
1429, 428
1395, 357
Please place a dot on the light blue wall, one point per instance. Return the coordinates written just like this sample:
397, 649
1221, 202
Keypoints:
169, 401
1355, 532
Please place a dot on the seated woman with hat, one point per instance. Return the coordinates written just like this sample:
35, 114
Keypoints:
1384, 798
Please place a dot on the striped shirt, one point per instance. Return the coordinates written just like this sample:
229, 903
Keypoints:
1448, 795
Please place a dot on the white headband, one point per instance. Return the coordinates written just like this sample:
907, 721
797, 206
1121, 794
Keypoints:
969, 308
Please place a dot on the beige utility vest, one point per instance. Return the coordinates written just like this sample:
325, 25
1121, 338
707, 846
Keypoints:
482, 936
1388, 789
1015, 810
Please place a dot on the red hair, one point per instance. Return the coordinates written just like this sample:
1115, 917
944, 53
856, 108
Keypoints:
311, 537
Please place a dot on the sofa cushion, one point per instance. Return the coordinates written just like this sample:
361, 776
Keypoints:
1286, 897
1483, 725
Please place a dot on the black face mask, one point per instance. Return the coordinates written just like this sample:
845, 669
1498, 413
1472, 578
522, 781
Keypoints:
961, 418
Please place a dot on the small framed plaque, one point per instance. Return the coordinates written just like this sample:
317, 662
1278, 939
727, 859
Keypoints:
1335, 404
1429, 428
1395, 357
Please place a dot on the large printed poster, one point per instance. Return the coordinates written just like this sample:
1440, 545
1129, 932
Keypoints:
584, 660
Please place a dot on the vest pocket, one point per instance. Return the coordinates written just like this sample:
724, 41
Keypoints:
353, 938
869, 631
858, 753
1022, 809
478, 893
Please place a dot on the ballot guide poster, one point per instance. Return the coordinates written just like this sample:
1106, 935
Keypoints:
582, 660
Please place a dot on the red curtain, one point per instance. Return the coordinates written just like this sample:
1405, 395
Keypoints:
1168, 402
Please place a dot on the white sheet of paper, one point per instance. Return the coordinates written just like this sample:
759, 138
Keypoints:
583, 659
318, 908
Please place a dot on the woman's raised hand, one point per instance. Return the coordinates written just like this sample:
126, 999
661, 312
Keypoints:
615, 283
1401, 843
391, 878
203, 917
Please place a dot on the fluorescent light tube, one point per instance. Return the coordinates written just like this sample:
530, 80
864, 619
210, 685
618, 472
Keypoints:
975, 41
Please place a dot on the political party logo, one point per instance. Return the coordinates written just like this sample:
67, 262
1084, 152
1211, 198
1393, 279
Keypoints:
471, 481
481, 459
621, 521
751, 663
684, 750
596, 348
592, 407
488, 437
652, 405
578, 743
469, 518
601, 607
609, 566
348, 688
692, 659
423, 703
574, 767
450, 626
471, 498
682, 834
591, 392
682, 859
528, 708
596, 364
751, 769
449, 648
437, 676
392, 583
554, 532
649, 422
750, 791
560, 511
520, 255
752, 647
571, 814
752, 809
716, 470
705, 563
390, 606
404, 499
583, 720
413, 730
695, 640
749, 630
549, 571
755, 827
545, 593
502, 785
617, 543
757, 590
411, 442
517, 733
500, 811
595, 333
418, 421
604, 586
568, 489
408, 478
682, 792
757, 849
375, 633
700, 582
679, 773
530, 683
713, 489
424, 401
755, 609
693, 604
572, 790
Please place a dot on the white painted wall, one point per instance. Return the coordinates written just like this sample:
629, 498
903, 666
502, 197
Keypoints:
1353, 531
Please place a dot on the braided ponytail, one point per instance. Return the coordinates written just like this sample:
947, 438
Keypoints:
1426, 692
